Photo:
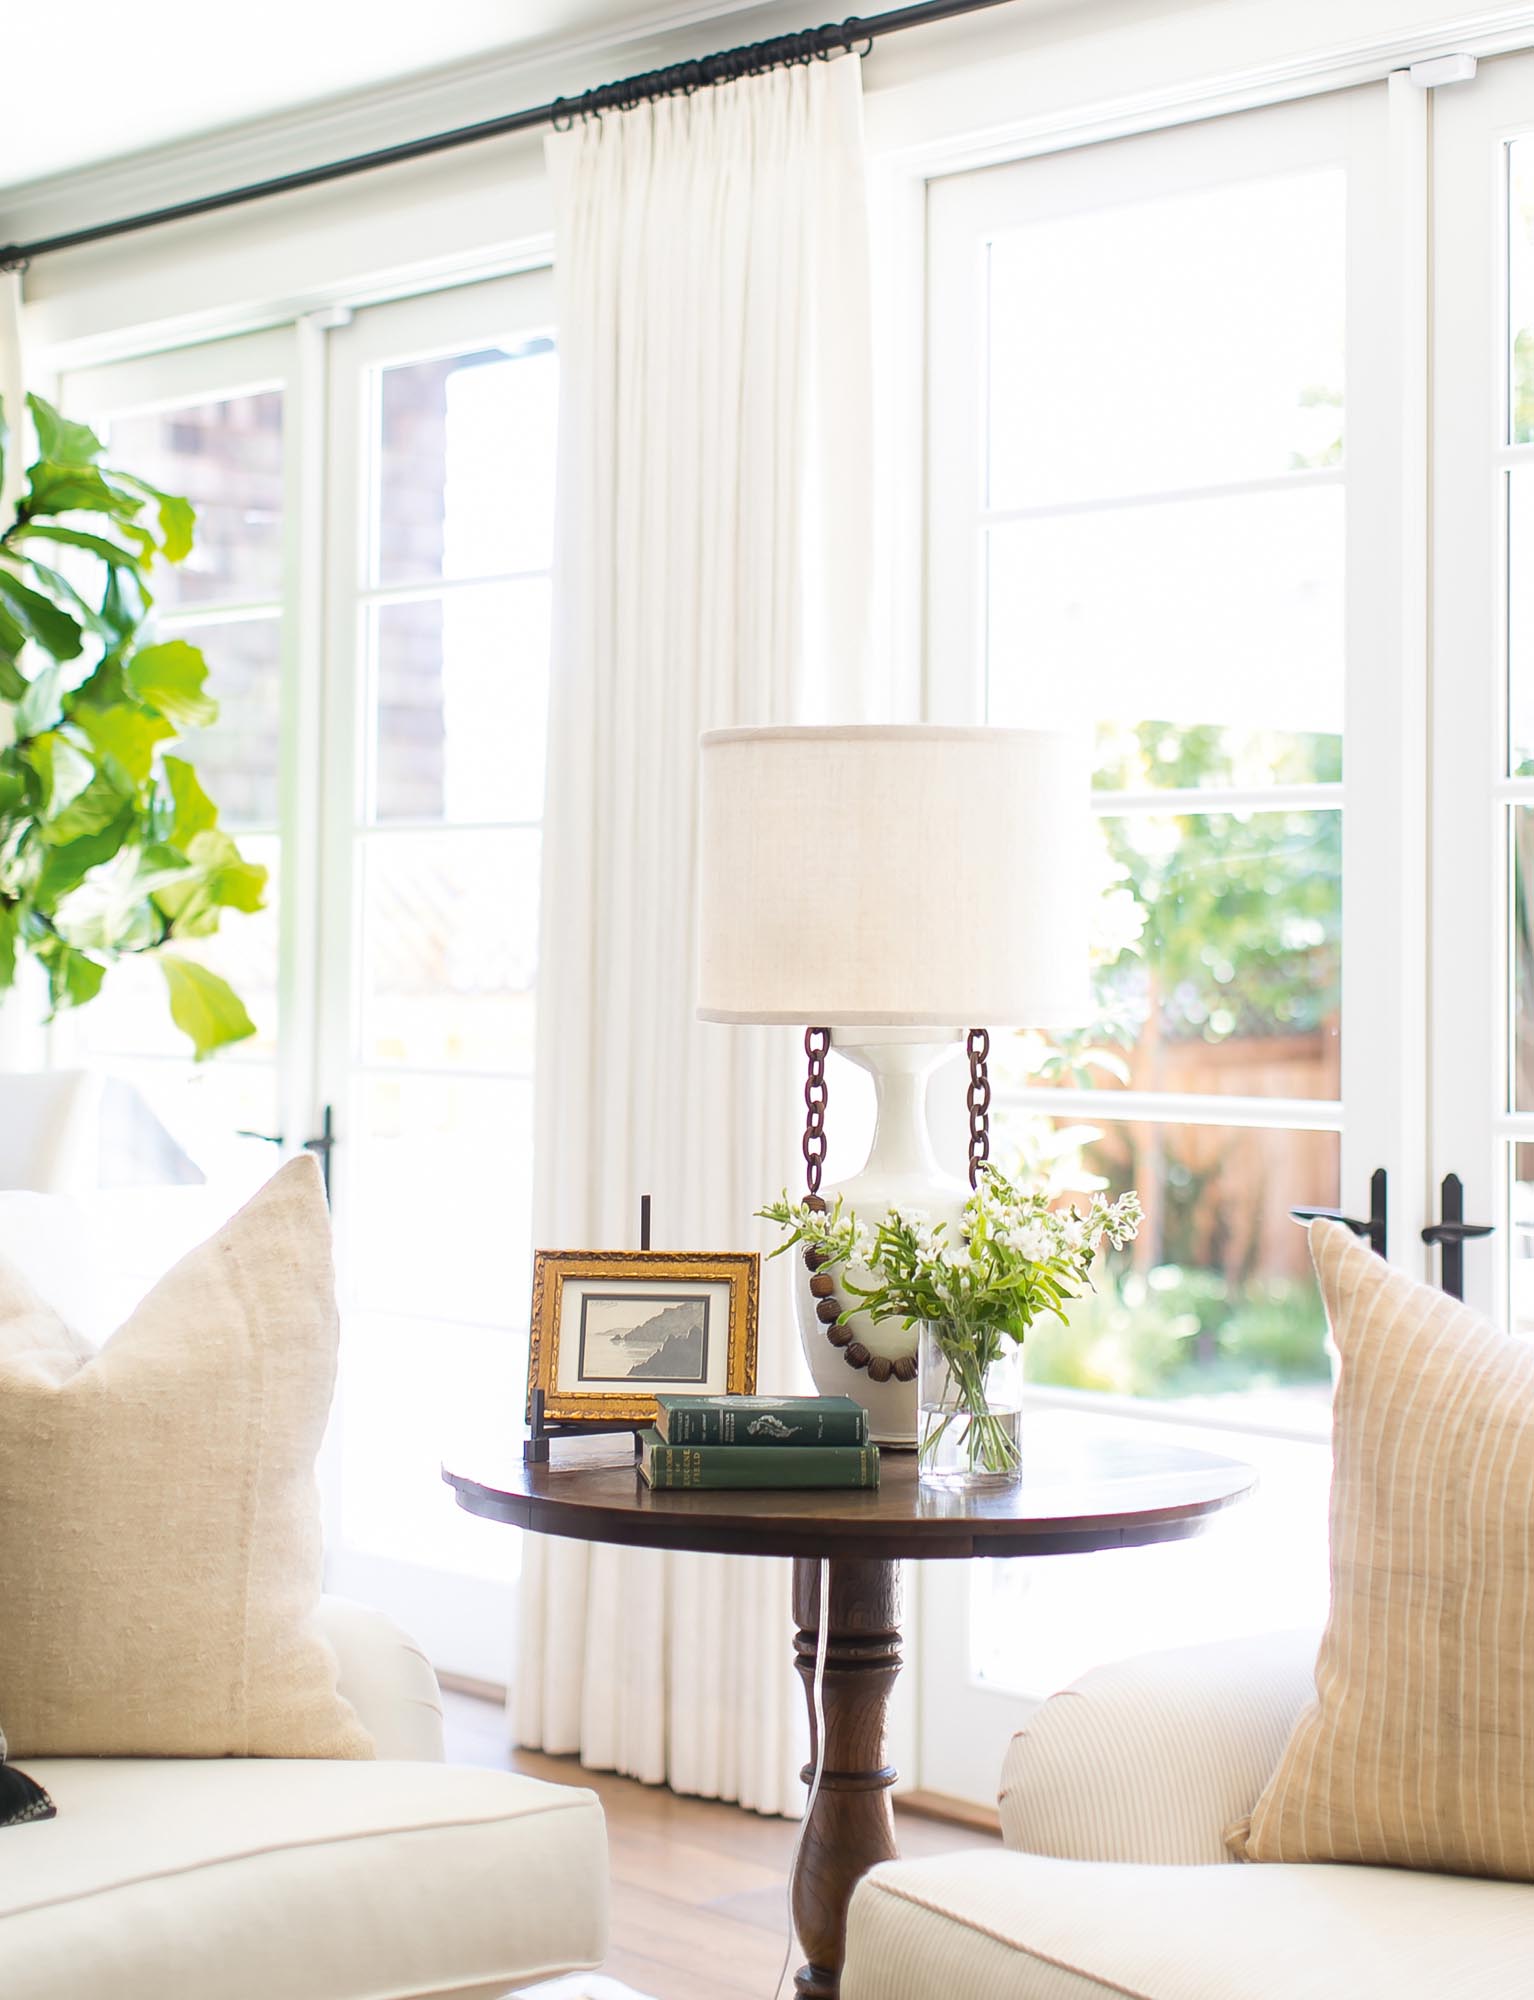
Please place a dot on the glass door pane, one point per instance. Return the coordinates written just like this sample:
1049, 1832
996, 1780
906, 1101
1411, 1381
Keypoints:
1163, 350
443, 446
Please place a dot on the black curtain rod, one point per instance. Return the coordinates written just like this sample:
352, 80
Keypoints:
852, 36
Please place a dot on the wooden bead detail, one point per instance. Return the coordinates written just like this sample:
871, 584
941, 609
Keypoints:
816, 1203
880, 1368
856, 1355
839, 1336
822, 1286
905, 1368
814, 1258
828, 1311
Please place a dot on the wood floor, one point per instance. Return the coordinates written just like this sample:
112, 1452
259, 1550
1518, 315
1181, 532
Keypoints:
698, 1889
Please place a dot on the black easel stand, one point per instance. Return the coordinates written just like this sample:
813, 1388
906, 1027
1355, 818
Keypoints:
535, 1446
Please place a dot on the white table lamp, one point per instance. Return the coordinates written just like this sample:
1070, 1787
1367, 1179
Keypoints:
889, 887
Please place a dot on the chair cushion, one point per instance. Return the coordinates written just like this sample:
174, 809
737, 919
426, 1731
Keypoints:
998, 1926
159, 1518
1416, 1751
312, 1880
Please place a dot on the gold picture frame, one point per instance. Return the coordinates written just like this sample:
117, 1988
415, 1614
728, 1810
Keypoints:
604, 1320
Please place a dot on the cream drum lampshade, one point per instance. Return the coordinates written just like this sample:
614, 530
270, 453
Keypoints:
894, 876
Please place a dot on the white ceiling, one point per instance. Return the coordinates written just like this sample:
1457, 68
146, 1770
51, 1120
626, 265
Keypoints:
92, 80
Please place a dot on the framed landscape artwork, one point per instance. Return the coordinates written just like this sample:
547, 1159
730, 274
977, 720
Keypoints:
612, 1329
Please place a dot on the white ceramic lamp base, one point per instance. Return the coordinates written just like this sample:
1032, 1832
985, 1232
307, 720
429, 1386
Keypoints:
901, 1171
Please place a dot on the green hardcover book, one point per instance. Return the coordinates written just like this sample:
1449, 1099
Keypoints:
761, 1420
664, 1465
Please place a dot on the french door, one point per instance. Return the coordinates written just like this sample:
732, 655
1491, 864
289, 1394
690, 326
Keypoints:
440, 519
371, 588
1172, 438
1483, 679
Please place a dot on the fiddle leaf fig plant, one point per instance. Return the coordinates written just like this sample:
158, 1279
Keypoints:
109, 846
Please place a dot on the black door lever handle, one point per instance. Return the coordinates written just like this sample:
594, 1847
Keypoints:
1451, 1233
1373, 1228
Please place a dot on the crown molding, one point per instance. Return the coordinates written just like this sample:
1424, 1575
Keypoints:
1318, 65
384, 114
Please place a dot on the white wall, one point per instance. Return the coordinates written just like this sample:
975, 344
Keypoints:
1034, 74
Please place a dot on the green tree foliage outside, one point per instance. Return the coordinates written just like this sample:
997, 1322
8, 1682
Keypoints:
1239, 919
109, 846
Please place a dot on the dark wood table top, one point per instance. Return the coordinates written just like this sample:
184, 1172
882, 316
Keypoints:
1080, 1490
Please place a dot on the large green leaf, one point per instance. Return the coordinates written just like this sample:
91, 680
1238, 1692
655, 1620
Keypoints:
42, 706
81, 489
68, 864
113, 910
194, 811
125, 602
96, 807
203, 1006
62, 591
13, 790
63, 772
125, 737
104, 688
59, 439
73, 979
169, 677
77, 538
40, 618
178, 518
220, 879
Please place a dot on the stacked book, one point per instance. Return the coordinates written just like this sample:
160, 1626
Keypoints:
758, 1441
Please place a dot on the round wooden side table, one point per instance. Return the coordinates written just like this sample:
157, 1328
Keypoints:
1080, 1491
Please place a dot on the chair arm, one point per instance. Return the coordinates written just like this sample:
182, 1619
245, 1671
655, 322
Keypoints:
1151, 1759
387, 1679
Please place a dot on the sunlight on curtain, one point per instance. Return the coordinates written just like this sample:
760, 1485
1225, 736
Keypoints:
712, 568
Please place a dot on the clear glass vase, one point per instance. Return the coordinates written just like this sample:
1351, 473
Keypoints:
969, 1407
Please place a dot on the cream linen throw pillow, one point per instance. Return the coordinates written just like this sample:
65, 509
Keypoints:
1418, 1751
159, 1519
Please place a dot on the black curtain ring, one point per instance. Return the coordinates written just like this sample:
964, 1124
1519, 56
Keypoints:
562, 117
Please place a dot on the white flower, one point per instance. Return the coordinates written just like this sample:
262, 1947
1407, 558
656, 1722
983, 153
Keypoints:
1031, 1240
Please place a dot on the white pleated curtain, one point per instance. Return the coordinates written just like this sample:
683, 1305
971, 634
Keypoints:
712, 568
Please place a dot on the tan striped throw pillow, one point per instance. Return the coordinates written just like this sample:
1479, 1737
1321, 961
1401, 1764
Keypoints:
1418, 1751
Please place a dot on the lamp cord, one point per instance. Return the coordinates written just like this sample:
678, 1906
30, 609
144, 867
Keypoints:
818, 1705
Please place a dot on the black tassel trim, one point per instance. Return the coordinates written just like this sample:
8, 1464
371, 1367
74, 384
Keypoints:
22, 1798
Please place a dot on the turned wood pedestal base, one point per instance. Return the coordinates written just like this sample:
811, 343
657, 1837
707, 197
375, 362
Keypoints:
852, 1827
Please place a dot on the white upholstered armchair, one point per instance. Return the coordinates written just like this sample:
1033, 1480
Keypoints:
1117, 1885
244, 1878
